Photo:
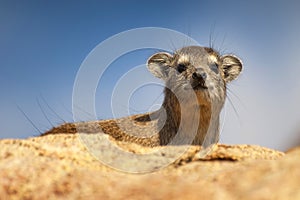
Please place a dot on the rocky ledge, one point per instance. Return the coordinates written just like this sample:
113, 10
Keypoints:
62, 167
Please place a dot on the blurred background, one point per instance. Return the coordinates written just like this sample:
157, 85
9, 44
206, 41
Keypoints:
43, 43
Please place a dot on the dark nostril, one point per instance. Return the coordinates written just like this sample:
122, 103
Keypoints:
195, 75
199, 76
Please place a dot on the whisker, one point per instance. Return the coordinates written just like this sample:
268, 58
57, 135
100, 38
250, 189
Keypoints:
221, 48
188, 38
234, 108
210, 41
211, 36
155, 100
68, 110
223, 122
173, 47
26, 116
86, 112
46, 117
237, 97
49, 107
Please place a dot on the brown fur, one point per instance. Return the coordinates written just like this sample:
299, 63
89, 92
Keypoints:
173, 123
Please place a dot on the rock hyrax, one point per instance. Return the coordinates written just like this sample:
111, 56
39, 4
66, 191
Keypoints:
195, 89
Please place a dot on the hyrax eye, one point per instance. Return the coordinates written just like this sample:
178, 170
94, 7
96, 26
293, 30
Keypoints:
215, 68
181, 68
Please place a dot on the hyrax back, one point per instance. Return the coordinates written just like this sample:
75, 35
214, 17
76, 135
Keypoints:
195, 89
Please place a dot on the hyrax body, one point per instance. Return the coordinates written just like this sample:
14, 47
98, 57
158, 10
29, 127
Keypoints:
195, 90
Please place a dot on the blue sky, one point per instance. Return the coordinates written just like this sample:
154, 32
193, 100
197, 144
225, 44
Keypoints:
43, 43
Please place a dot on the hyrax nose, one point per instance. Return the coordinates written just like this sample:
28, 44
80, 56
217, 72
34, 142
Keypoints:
199, 76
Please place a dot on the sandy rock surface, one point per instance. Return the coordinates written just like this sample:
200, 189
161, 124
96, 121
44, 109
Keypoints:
67, 166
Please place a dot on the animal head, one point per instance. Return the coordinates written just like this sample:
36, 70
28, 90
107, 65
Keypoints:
196, 69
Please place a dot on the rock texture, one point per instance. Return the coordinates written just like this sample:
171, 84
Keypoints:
61, 167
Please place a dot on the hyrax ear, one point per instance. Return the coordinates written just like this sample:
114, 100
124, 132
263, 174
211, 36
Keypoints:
231, 67
158, 64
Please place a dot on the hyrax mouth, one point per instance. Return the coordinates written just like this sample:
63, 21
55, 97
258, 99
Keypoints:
195, 85
198, 81
200, 86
